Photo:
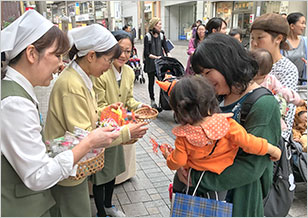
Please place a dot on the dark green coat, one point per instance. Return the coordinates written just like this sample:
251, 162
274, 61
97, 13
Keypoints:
16, 199
250, 177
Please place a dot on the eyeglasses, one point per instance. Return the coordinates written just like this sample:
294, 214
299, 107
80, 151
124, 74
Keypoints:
108, 60
127, 52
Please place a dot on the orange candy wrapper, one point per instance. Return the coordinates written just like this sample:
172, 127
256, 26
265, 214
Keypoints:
121, 116
161, 147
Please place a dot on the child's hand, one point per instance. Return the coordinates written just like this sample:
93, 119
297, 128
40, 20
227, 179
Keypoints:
274, 151
166, 150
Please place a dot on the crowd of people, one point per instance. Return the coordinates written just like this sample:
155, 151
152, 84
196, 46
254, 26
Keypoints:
235, 159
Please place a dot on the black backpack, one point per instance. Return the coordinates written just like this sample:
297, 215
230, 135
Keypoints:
298, 162
280, 197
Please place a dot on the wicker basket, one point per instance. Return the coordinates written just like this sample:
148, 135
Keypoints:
146, 115
89, 167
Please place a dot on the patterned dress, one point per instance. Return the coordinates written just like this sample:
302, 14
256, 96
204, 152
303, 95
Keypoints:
287, 74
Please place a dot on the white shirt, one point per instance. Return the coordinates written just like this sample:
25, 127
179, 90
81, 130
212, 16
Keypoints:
83, 75
117, 74
21, 141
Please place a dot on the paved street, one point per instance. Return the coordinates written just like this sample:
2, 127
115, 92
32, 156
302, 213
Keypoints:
146, 194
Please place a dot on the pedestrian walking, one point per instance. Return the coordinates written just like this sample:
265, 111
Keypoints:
270, 31
33, 47
226, 65
116, 85
155, 46
73, 104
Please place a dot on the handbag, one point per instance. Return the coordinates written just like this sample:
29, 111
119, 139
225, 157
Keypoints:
184, 205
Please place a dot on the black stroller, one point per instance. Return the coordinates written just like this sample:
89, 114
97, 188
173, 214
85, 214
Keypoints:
170, 66
134, 63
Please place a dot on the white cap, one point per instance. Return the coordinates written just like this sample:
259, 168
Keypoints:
93, 37
27, 29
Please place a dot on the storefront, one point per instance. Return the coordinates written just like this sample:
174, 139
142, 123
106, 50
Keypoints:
241, 14
187, 16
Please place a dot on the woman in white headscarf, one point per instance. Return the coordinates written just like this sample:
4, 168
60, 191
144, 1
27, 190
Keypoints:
33, 49
73, 103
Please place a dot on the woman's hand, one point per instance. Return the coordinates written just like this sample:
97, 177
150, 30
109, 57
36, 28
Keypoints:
183, 176
146, 106
102, 137
137, 130
304, 60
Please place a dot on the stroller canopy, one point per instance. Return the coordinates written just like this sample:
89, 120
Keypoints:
168, 65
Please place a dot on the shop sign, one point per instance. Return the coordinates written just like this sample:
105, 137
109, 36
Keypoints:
84, 17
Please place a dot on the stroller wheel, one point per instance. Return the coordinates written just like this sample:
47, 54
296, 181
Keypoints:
140, 80
143, 80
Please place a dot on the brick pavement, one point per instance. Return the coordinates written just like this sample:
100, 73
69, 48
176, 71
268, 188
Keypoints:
146, 194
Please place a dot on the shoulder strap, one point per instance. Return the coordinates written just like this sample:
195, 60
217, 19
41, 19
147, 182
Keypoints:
161, 36
149, 37
250, 100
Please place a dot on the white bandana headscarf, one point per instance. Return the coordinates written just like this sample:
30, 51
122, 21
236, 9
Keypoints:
27, 29
93, 37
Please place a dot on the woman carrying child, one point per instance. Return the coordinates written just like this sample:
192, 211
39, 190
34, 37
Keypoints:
226, 64
207, 139
270, 31
283, 94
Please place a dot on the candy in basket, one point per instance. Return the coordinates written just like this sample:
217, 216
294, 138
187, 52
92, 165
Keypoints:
117, 118
89, 164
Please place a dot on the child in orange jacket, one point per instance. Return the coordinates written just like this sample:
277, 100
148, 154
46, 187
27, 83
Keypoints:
208, 139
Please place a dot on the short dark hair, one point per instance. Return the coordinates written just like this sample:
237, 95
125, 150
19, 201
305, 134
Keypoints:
294, 17
214, 23
264, 60
125, 27
236, 31
121, 34
225, 54
193, 98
